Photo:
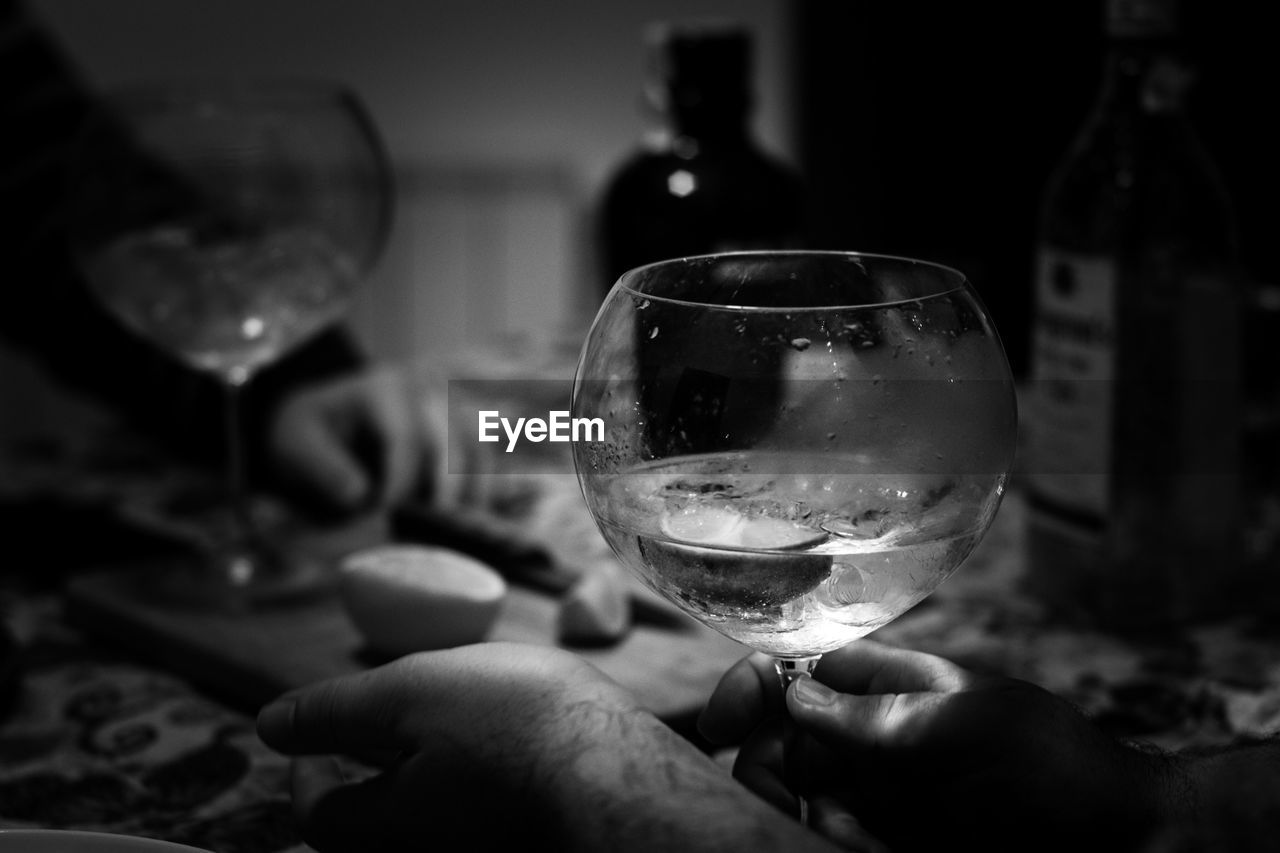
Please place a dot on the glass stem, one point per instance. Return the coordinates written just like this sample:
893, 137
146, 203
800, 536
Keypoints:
240, 566
789, 669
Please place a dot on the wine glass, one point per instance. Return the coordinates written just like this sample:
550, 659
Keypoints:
798, 446
227, 222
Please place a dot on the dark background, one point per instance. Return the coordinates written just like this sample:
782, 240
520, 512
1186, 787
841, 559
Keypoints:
929, 128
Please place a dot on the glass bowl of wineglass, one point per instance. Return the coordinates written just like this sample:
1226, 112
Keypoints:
798, 446
226, 222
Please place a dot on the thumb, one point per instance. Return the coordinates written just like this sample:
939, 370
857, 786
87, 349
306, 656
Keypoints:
850, 722
350, 714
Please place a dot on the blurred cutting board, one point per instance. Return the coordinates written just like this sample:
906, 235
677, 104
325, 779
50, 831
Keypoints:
251, 657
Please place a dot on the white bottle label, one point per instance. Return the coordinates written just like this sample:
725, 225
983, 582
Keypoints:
1070, 410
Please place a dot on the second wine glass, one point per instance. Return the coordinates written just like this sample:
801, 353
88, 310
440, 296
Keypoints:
227, 222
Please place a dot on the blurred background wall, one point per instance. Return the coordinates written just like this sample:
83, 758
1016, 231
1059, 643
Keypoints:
925, 127
502, 118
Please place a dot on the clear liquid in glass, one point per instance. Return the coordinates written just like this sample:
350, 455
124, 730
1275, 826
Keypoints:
224, 305
781, 554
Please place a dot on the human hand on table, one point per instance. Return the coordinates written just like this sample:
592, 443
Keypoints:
381, 438
508, 747
373, 439
353, 442
925, 755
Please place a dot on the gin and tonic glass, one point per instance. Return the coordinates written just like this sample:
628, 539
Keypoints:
798, 446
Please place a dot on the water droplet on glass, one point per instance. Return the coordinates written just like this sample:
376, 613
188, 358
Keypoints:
800, 344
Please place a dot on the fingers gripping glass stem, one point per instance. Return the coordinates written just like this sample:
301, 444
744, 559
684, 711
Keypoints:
789, 669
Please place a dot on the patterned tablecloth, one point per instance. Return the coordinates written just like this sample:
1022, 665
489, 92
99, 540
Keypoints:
93, 739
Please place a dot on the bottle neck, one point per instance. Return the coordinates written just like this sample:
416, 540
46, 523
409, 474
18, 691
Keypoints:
700, 84
1144, 75
710, 126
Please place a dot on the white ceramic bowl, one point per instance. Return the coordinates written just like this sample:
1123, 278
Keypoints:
72, 841
412, 598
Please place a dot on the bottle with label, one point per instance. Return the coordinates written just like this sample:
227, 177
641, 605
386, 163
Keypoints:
1133, 413
701, 183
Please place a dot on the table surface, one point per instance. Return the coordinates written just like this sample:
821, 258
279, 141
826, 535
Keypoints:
98, 737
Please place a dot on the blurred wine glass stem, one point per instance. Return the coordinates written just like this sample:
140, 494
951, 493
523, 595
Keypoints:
240, 566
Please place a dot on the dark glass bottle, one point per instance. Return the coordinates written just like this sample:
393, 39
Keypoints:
1133, 416
701, 183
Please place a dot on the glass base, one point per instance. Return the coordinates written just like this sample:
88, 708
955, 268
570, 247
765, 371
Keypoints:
255, 574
